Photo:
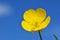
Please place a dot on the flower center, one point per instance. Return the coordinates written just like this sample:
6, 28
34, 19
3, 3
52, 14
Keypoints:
36, 24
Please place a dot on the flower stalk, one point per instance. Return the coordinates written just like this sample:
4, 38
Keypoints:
55, 36
40, 35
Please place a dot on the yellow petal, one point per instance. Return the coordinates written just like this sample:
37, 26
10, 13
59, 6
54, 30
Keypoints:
27, 26
44, 24
31, 16
41, 14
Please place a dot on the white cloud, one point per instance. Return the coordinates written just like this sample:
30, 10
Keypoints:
5, 9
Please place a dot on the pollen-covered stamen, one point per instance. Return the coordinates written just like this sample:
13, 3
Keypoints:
33, 29
36, 24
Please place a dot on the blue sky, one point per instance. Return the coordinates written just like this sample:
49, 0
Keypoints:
10, 26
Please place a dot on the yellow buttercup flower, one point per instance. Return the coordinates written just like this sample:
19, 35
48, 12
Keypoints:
35, 20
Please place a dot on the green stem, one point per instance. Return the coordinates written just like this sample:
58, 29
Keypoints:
55, 36
40, 35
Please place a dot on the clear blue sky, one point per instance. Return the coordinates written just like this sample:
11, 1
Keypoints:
10, 27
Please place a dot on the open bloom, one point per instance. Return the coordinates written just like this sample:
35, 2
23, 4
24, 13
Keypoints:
35, 20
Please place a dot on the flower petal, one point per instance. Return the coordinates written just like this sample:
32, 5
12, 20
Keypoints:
44, 24
31, 16
27, 26
41, 14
